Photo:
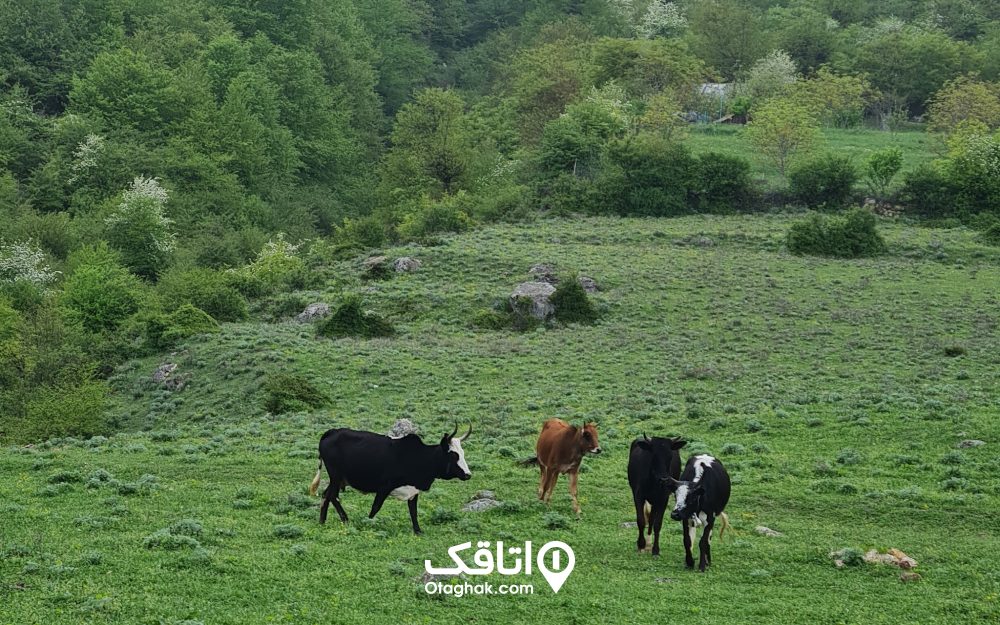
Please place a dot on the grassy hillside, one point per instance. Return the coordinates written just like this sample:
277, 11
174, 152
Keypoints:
857, 143
835, 391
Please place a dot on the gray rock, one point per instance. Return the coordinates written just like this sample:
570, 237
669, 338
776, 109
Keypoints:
537, 297
405, 264
163, 371
484, 494
767, 531
971, 442
589, 284
164, 374
630, 525
544, 272
317, 310
401, 428
480, 505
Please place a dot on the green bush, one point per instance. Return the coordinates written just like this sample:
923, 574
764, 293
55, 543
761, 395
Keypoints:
278, 267
571, 302
165, 331
723, 184
449, 214
507, 204
823, 182
99, 292
64, 410
350, 320
929, 192
365, 232
206, 289
648, 176
287, 392
850, 236
880, 168
991, 235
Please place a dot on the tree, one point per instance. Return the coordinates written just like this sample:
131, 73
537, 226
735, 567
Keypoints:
662, 19
834, 99
644, 67
964, 99
807, 35
99, 292
880, 168
728, 35
782, 129
139, 229
770, 76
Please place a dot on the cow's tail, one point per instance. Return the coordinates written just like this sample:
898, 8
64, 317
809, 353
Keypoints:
529, 462
314, 487
724, 524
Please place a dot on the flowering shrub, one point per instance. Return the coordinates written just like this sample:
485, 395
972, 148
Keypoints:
140, 230
23, 261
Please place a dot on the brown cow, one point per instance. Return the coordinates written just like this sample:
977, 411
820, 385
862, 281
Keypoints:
560, 449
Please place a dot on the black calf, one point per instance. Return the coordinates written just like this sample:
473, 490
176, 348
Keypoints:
650, 462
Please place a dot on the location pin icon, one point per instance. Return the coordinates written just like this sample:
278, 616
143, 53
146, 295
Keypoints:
563, 560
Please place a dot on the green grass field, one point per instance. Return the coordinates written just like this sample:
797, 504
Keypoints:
834, 391
918, 148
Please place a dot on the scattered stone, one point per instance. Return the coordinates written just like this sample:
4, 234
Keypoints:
544, 272
401, 428
909, 576
483, 494
480, 505
893, 557
429, 577
405, 264
664, 580
972, 442
537, 295
164, 375
317, 310
767, 531
589, 284
630, 525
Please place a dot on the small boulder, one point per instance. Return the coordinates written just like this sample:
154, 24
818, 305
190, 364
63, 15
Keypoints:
317, 310
375, 267
589, 284
767, 531
484, 494
401, 428
630, 525
909, 576
164, 375
163, 371
480, 505
534, 298
406, 264
544, 272
971, 442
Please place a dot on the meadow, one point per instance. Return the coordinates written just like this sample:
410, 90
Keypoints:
836, 393
918, 148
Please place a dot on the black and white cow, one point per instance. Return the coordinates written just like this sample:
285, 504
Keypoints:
397, 467
650, 462
701, 495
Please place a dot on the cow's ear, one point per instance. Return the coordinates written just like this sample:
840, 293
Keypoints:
446, 441
698, 491
643, 445
677, 443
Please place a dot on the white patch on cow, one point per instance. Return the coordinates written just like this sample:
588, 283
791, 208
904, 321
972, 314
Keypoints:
701, 462
680, 497
456, 446
405, 492
702, 519
692, 531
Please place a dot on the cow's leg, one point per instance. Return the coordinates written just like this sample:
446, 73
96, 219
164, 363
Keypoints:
327, 497
377, 504
543, 479
656, 522
336, 501
551, 477
573, 477
412, 504
688, 528
705, 546
640, 519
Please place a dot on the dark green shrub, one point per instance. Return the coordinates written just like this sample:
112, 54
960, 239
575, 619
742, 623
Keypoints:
824, 182
566, 193
449, 214
287, 392
51, 411
648, 176
165, 331
991, 235
850, 236
571, 302
99, 292
350, 320
507, 204
928, 191
723, 184
490, 319
209, 290
880, 168
365, 232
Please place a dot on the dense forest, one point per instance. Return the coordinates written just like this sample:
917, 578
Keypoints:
166, 166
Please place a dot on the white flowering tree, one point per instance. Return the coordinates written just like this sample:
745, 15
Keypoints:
140, 230
662, 19
22, 261
769, 77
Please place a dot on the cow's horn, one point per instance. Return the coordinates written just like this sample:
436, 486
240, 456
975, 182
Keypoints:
454, 432
644, 436
466, 435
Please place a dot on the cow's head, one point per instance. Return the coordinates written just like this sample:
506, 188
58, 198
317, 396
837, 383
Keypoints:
455, 465
663, 450
686, 498
588, 439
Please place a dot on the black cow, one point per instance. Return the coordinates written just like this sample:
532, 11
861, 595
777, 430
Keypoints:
701, 494
375, 463
650, 462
